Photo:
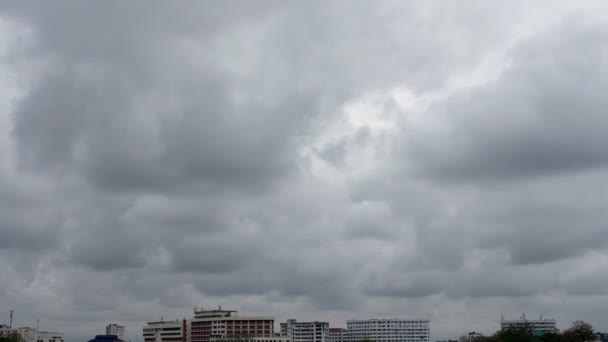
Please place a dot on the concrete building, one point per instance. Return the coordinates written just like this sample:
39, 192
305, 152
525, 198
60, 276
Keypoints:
305, 331
389, 330
601, 337
32, 335
165, 331
536, 326
115, 329
212, 325
336, 335
269, 339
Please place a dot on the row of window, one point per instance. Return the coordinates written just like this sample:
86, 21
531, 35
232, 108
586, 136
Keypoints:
387, 330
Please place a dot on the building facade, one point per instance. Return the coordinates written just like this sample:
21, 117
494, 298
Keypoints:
536, 326
389, 330
32, 335
305, 331
117, 330
336, 335
165, 331
212, 325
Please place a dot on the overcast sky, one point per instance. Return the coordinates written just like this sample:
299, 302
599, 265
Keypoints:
299, 159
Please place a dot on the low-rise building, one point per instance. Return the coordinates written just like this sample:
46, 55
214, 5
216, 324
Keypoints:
535, 326
270, 339
211, 326
28, 334
305, 331
601, 337
389, 330
336, 335
165, 331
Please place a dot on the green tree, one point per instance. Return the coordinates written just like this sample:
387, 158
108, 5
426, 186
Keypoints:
551, 337
580, 331
11, 338
515, 335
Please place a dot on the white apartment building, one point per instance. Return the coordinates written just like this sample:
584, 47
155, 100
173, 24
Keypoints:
165, 331
536, 326
336, 335
115, 329
269, 339
305, 331
32, 335
389, 330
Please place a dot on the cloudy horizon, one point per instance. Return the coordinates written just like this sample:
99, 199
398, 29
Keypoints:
317, 160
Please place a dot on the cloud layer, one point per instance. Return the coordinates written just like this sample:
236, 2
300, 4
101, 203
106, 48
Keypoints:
303, 159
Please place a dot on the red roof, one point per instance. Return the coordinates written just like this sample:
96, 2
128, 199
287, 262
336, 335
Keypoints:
336, 330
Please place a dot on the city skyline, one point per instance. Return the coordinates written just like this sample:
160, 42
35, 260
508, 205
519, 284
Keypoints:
501, 323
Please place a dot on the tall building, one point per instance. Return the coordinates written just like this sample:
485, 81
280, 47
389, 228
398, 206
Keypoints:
536, 326
336, 335
305, 331
115, 329
212, 325
389, 330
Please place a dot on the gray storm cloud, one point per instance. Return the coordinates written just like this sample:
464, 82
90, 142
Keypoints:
164, 155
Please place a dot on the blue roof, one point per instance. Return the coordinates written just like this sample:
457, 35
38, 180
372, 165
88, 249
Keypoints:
106, 338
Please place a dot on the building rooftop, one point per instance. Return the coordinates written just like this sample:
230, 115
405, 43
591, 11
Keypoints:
106, 338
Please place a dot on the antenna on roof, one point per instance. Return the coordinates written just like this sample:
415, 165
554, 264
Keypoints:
10, 325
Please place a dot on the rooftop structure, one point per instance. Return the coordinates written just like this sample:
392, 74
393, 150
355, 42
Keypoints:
214, 313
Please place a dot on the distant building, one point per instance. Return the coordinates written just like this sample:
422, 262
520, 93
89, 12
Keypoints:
165, 331
106, 338
336, 335
389, 330
305, 331
601, 337
32, 335
115, 329
473, 336
210, 326
535, 326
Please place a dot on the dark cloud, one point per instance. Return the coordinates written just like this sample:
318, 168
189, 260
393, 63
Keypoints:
303, 159
542, 116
